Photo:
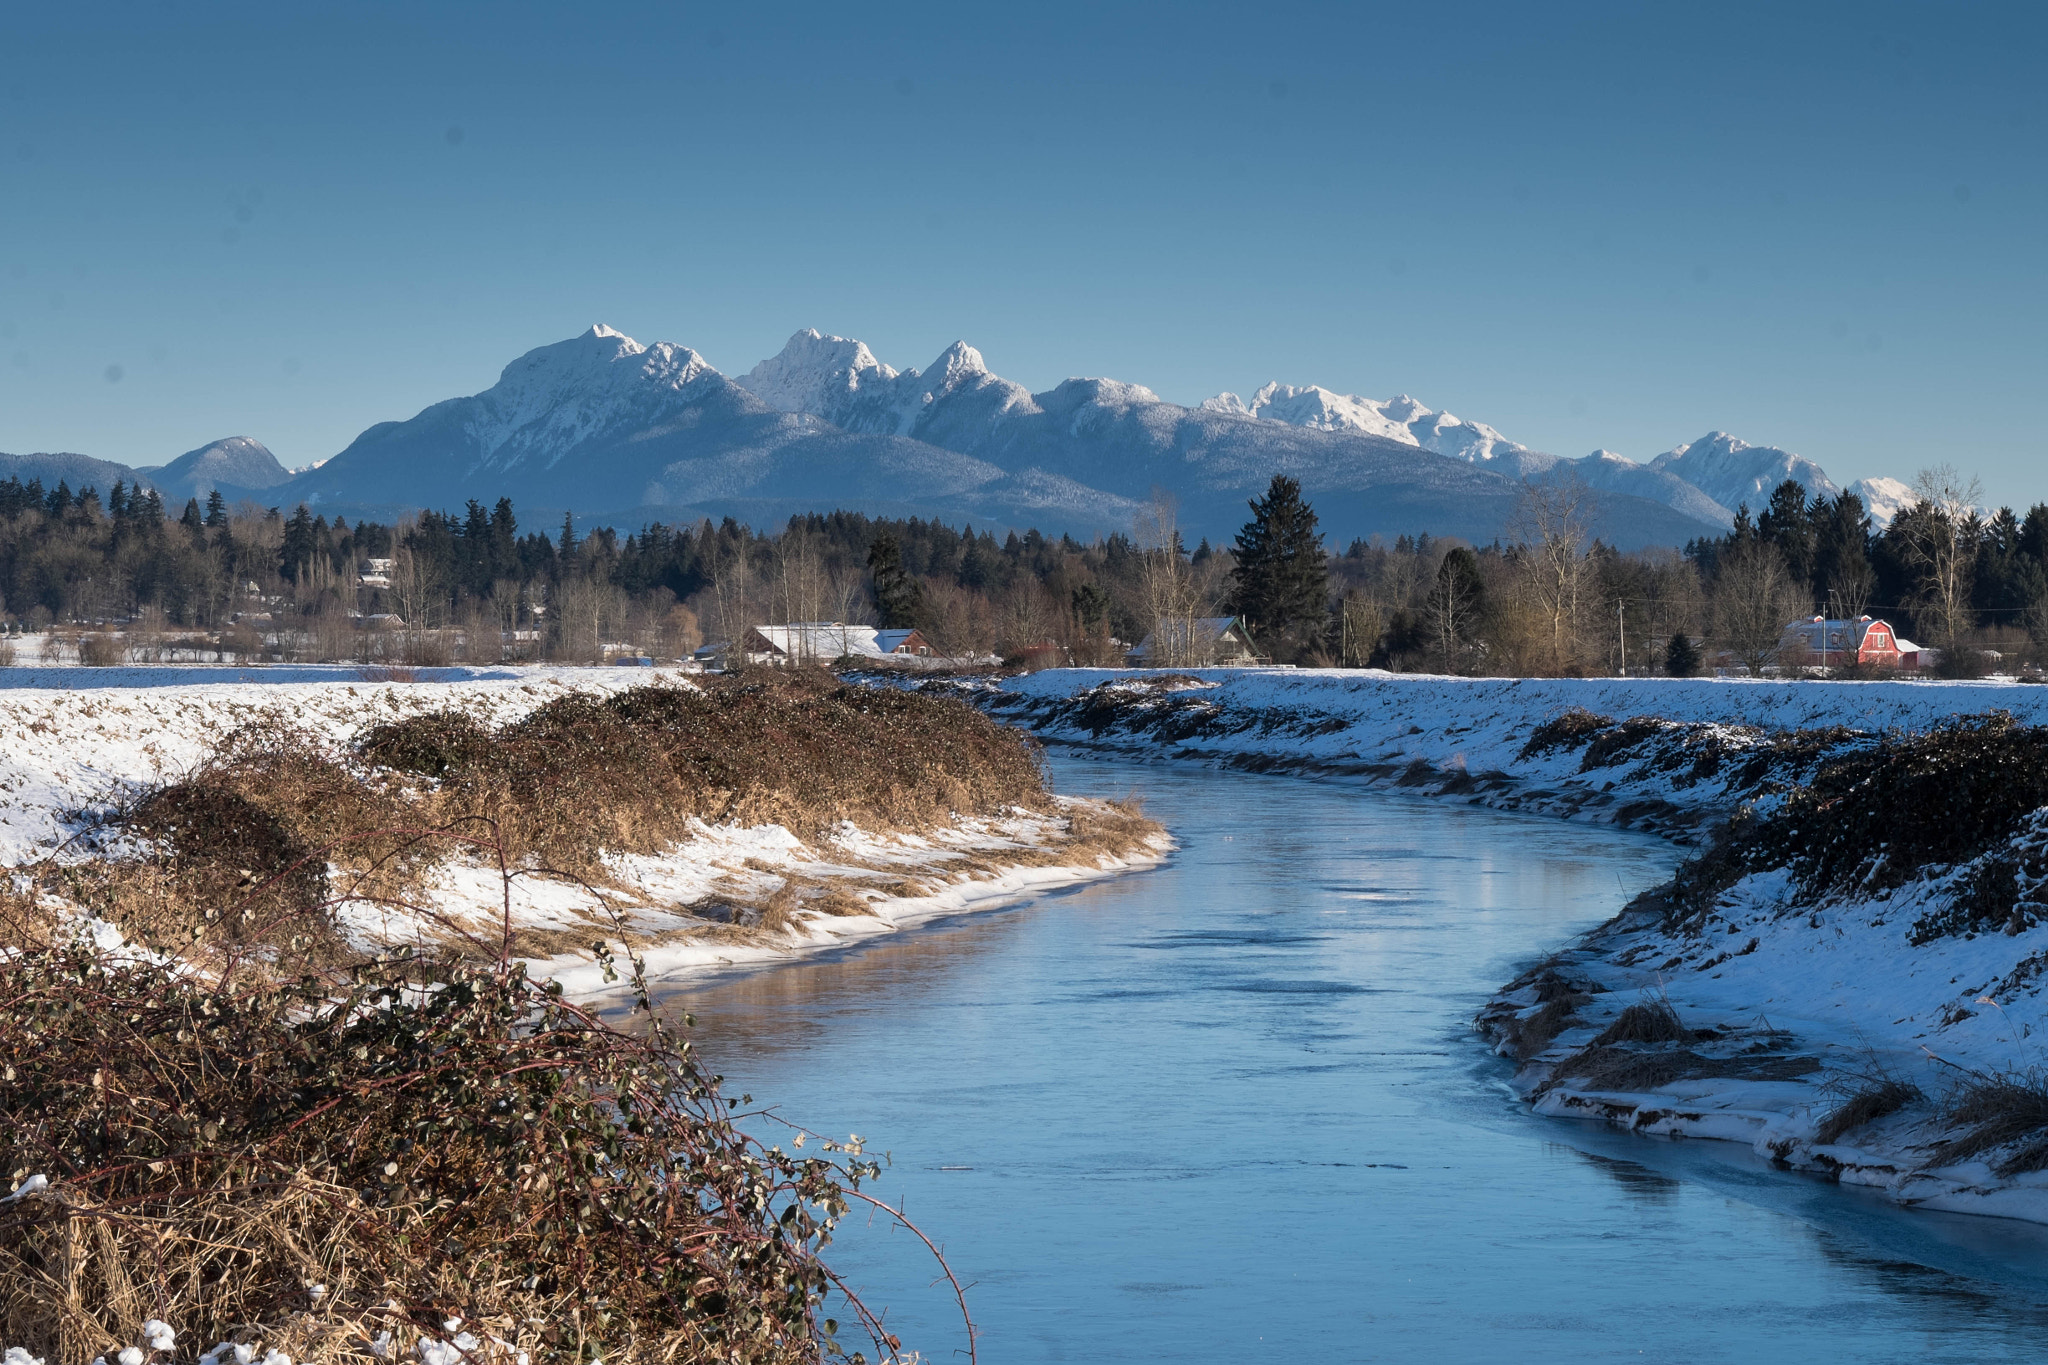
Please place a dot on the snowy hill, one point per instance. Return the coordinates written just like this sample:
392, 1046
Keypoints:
76, 471
239, 466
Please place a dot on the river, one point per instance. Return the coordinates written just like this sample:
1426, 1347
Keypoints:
1232, 1110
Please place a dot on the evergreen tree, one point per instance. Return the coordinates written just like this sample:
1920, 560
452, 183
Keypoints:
1281, 582
190, 521
300, 543
896, 592
1681, 656
568, 545
216, 509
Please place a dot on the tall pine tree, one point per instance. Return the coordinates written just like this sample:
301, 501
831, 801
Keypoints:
1281, 582
896, 592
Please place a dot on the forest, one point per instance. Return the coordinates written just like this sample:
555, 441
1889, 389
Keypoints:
125, 577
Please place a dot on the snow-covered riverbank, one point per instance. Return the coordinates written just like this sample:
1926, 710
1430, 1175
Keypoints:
728, 895
1469, 737
1865, 1027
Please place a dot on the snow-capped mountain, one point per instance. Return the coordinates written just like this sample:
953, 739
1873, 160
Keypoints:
1400, 418
1883, 499
1735, 473
1370, 467
608, 428
238, 466
602, 425
1706, 480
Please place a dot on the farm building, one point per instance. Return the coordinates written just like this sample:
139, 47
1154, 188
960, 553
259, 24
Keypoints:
1827, 643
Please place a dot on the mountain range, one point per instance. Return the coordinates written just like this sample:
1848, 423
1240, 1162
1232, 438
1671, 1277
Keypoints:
611, 430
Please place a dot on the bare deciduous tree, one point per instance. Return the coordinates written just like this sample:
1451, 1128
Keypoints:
1170, 605
1754, 599
1945, 530
1550, 528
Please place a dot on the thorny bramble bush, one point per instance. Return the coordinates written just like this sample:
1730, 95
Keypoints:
1876, 817
310, 1164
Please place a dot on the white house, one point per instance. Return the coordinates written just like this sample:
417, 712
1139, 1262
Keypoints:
822, 642
1197, 640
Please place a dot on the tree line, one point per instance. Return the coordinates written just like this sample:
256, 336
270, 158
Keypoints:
1544, 599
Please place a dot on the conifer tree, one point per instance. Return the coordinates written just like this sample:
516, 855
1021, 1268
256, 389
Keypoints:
896, 592
1281, 582
1681, 656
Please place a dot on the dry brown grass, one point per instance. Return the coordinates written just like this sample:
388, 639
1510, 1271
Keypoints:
585, 775
1631, 1070
2006, 1115
1647, 1021
1870, 1101
234, 860
1537, 1030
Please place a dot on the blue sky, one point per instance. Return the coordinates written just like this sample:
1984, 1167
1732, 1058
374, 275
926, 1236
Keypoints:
1588, 225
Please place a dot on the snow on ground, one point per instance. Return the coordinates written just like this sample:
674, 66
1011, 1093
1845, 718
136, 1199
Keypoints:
67, 751
1466, 734
1805, 1002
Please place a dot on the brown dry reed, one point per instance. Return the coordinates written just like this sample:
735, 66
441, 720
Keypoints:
1877, 1098
2005, 1116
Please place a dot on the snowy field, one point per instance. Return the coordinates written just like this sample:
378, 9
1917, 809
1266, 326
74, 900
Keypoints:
1789, 1005
98, 736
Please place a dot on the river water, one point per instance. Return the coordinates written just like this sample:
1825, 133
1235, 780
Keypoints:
1231, 1110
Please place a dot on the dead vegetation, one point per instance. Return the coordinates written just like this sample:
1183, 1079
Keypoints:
1875, 1098
251, 855
2004, 1116
399, 1158
1647, 1021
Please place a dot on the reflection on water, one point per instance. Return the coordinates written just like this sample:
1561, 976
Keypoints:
1230, 1110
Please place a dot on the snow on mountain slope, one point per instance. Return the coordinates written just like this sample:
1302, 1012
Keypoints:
555, 398
1883, 499
232, 464
840, 380
603, 426
1616, 473
1400, 418
1369, 468
1735, 473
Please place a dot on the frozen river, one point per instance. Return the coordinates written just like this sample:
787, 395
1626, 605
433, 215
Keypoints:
1231, 1110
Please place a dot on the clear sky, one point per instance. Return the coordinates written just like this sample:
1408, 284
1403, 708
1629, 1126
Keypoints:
1815, 226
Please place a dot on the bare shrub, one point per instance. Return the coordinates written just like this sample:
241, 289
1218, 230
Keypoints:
338, 1166
584, 775
98, 649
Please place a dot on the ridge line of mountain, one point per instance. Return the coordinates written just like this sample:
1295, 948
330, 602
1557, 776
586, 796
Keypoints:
602, 426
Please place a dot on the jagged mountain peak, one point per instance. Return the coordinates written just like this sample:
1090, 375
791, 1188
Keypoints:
1735, 473
817, 373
